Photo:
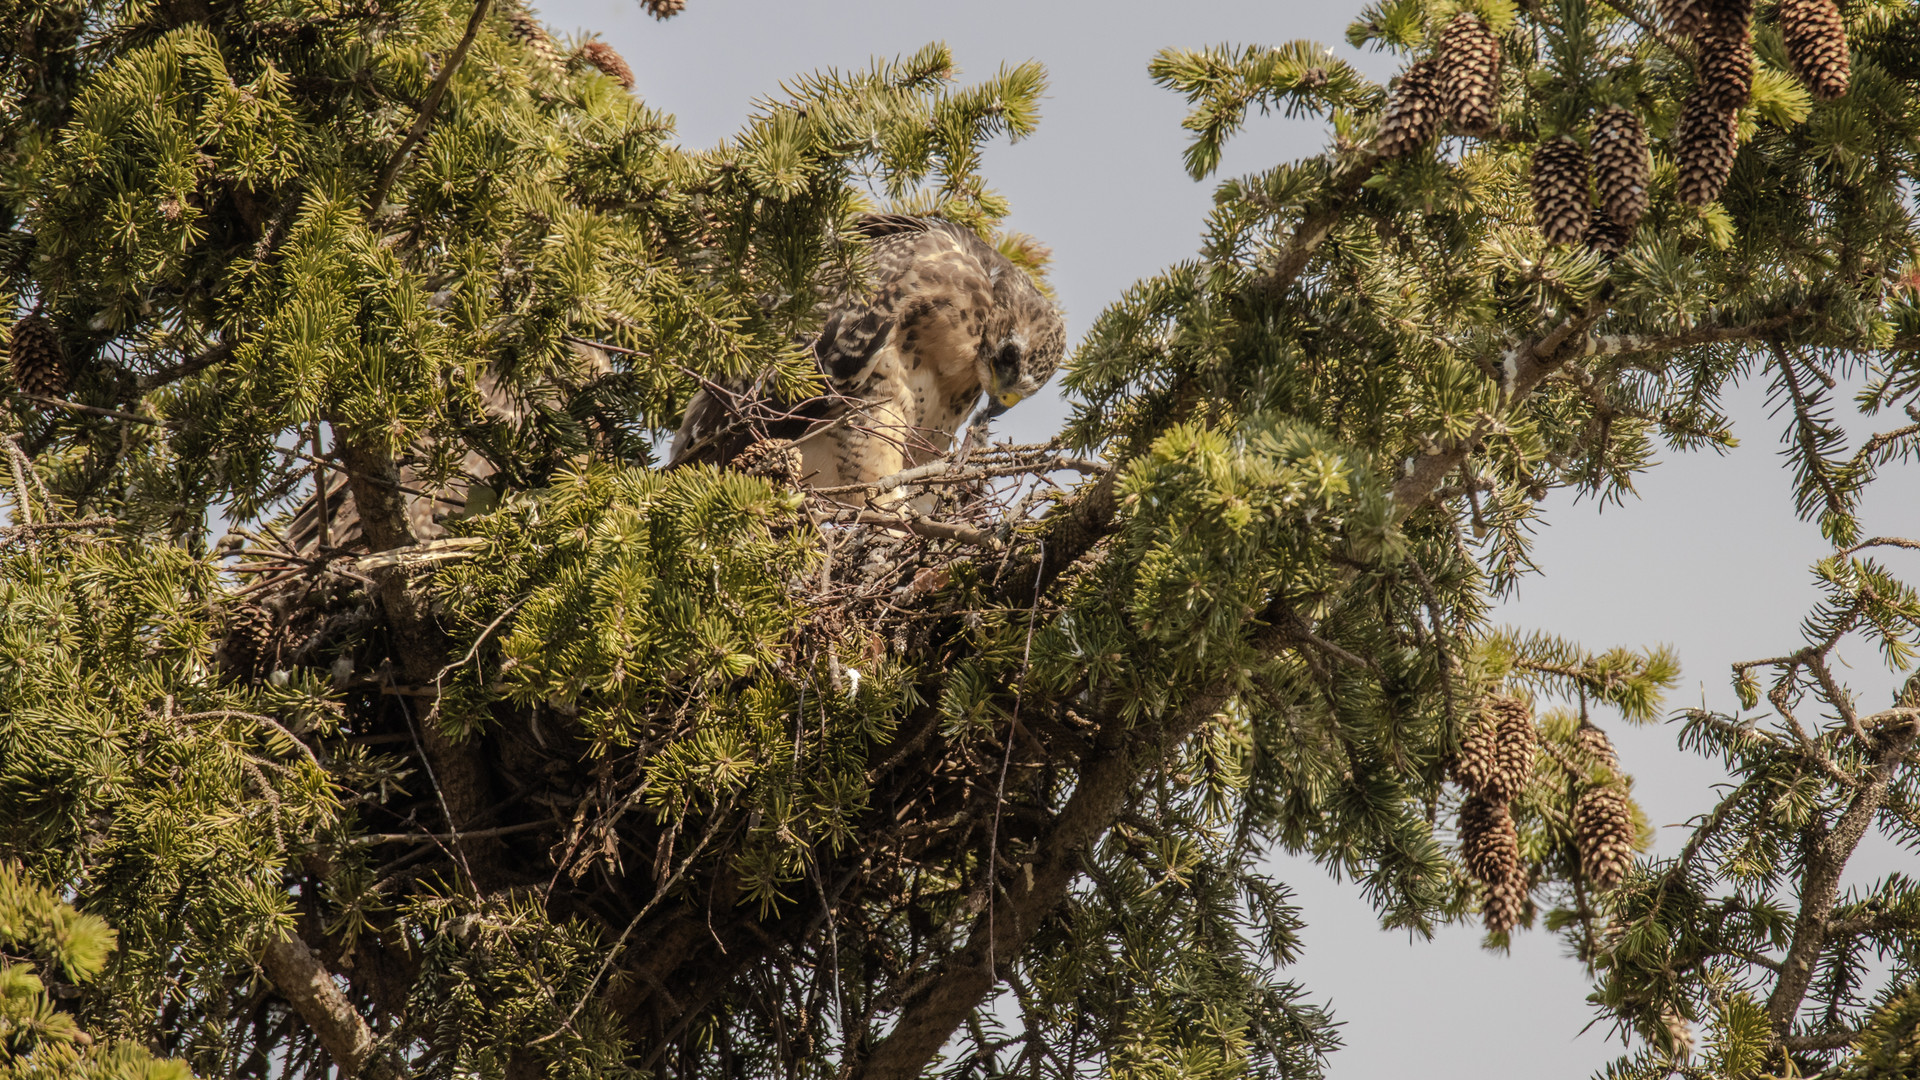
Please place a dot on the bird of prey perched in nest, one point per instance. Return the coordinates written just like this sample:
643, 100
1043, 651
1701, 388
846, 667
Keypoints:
948, 319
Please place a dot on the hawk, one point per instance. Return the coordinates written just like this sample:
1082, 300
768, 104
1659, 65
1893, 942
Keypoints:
949, 319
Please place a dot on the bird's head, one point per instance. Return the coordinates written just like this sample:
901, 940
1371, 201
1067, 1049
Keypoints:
1022, 352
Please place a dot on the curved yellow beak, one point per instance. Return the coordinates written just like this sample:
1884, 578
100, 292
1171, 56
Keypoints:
1004, 400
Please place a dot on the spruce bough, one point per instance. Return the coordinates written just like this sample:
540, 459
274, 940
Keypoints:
609, 770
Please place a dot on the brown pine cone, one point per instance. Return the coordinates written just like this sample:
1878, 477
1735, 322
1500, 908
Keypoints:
1724, 18
1603, 833
1816, 40
1686, 18
601, 55
525, 29
1496, 757
665, 9
251, 645
777, 460
1414, 111
1469, 73
1605, 235
1506, 900
1621, 168
1595, 750
1704, 143
1726, 68
1560, 205
39, 363
1489, 842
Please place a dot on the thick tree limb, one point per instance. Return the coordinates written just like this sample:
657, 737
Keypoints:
1627, 344
1823, 1040
1344, 182
1022, 903
458, 770
1826, 860
1525, 366
309, 987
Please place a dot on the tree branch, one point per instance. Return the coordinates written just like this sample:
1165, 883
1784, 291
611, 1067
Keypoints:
1525, 366
309, 987
964, 979
428, 106
1826, 860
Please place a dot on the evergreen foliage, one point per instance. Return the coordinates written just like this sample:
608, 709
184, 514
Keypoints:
37, 1039
612, 770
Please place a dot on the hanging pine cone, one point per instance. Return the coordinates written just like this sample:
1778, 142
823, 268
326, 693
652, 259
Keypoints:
1724, 18
526, 30
1413, 112
777, 460
1726, 68
1603, 833
1489, 842
1816, 40
1621, 168
1496, 757
1560, 191
1704, 143
1685, 18
665, 9
1605, 235
1595, 750
1469, 72
1506, 900
251, 643
39, 363
601, 55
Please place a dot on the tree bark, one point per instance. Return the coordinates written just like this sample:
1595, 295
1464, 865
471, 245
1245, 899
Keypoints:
309, 987
1019, 904
1826, 861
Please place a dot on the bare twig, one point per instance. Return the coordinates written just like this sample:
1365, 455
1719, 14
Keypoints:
90, 410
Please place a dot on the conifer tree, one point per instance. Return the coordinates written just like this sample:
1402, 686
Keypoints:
548, 761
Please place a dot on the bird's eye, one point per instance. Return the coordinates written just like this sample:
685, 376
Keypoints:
1008, 361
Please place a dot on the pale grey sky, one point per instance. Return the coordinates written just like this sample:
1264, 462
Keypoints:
1708, 559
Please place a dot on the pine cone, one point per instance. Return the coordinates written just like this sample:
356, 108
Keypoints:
777, 460
251, 643
1704, 143
1606, 235
1496, 757
1560, 205
1506, 900
1489, 842
1603, 833
601, 55
39, 363
1469, 73
1413, 112
1724, 18
1686, 18
1621, 168
665, 9
1595, 749
525, 29
1816, 41
1726, 69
